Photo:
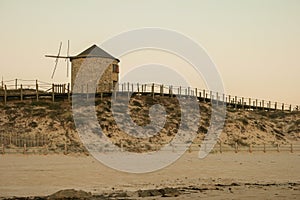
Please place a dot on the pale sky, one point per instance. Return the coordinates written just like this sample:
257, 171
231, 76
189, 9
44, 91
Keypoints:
254, 43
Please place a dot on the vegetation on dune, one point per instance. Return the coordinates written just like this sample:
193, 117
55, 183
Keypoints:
55, 120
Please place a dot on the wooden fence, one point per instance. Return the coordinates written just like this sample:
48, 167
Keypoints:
23, 143
40, 89
39, 145
220, 148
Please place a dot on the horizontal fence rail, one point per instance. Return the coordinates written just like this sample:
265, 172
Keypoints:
34, 89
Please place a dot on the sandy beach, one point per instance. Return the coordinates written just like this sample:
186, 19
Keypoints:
218, 176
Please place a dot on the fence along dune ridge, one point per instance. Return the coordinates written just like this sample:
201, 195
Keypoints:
19, 89
35, 89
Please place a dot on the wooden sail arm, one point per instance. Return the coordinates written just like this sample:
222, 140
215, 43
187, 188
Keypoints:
50, 56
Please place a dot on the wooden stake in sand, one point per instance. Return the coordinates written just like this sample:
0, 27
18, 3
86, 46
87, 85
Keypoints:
292, 150
190, 148
24, 151
264, 148
3, 149
46, 150
236, 147
66, 149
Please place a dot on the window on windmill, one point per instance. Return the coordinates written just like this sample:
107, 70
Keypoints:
115, 68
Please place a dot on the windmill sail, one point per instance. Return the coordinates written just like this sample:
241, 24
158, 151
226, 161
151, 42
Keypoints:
67, 60
56, 60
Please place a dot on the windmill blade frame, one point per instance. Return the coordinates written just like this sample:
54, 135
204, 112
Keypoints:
56, 60
67, 59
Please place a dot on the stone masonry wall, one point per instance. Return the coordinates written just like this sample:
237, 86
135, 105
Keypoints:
90, 69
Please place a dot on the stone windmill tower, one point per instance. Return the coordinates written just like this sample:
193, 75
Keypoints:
93, 57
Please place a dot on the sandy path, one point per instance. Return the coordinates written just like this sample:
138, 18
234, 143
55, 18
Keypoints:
42, 175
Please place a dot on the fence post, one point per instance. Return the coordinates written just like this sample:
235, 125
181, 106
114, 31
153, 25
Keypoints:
46, 150
24, 152
256, 102
3, 149
282, 107
278, 149
235, 102
190, 148
63, 88
236, 147
292, 150
152, 90
69, 92
250, 148
53, 93
249, 103
128, 94
179, 91
161, 90
203, 95
122, 146
66, 149
243, 107
290, 108
263, 104
21, 93
5, 94
264, 148
16, 84
220, 143
37, 89
275, 105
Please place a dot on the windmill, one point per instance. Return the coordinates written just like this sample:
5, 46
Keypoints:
59, 56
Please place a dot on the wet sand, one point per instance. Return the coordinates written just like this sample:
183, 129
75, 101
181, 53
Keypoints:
225, 176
